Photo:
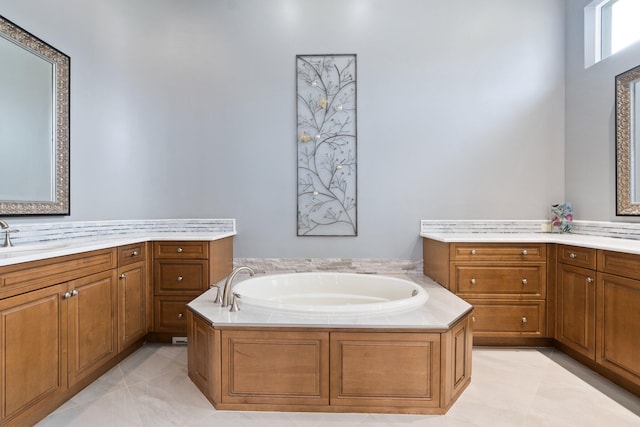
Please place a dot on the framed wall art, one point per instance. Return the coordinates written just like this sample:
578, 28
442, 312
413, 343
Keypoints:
326, 145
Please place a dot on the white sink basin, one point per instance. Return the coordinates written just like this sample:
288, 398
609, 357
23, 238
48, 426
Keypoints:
36, 247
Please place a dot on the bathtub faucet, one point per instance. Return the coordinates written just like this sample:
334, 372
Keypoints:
228, 284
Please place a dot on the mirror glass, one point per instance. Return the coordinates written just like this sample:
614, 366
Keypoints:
628, 142
34, 125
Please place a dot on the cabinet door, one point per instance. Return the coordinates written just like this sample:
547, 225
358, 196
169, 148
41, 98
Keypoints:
92, 332
385, 370
132, 288
576, 309
618, 319
203, 351
31, 340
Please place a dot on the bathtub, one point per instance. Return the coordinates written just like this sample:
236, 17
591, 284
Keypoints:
335, 294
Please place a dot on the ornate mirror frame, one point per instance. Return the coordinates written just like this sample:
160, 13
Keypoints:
627, 177
60, 139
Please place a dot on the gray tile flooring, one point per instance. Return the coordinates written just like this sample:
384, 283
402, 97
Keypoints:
510, 387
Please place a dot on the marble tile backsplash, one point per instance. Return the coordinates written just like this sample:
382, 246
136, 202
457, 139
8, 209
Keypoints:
346, 265
47, 232
622, 230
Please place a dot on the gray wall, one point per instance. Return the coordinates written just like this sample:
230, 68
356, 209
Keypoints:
187, 109
590, 123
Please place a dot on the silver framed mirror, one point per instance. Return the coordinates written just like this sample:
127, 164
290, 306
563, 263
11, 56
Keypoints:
34, 125
628, 142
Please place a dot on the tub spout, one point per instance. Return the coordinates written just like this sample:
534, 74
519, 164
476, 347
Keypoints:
228, 284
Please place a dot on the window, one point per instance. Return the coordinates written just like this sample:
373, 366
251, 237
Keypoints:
610, 26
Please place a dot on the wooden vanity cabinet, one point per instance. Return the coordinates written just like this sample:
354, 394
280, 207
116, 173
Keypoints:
618, 316
56, 339
133, 294
505, 282
576, 299
182, 270
33, 340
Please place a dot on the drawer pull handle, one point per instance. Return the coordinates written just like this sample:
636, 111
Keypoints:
525, 282
473, 281
572, 255
473, 251
524, 252
179, 250
589, 280
180, 315
179, 279
134, 253
122, 276
524, 320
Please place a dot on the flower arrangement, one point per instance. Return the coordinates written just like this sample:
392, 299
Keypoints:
561, 217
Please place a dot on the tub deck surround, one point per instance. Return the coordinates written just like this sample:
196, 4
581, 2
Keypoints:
441, 310
415, 362
59, 239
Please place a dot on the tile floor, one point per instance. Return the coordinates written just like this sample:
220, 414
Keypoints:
510, 387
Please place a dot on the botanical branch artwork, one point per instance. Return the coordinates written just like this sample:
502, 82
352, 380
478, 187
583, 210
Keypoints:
326, 140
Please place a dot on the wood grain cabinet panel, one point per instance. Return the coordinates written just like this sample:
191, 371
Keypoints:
181, 250
576, 309
289, 368
170, 314
132, 304
131, 254
499, 281
385, 369
203, 356
180, 277
577, 256
618, 341
508, 318
31, 341
91, 323
516, 252
506, 282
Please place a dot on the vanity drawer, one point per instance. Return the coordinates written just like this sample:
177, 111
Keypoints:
580, 257
27, 276
499, 281
520, 252
181, 250
170, 314
508, 318
620, 264
131, 254
180, 277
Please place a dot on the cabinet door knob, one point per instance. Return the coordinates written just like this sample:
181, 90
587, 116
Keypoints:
74, 292
180, 315
134, 253
525, 281
473, 281
473, 318
179, 278
179, 250
524, 252
122, 276
589, 280
524, 320
572, 255
66, 295
473, 251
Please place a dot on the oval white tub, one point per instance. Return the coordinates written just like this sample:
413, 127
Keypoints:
330, 294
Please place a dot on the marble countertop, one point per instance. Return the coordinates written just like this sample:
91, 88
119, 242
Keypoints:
595, 242
56, 248
440, 312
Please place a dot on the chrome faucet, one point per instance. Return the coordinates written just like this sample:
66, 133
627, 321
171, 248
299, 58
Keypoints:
228, 284
7, 234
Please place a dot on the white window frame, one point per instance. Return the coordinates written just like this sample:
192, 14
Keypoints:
597, 31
